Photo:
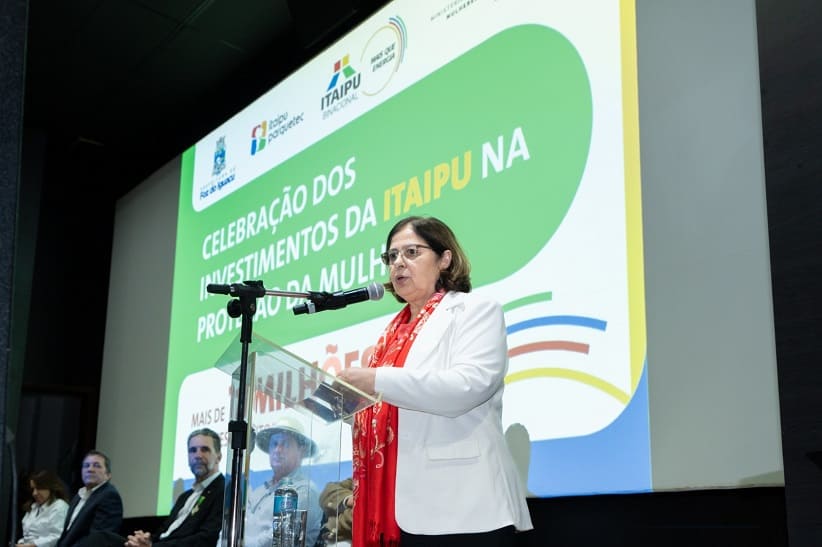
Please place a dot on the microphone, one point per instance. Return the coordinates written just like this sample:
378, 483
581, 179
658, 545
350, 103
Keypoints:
246, 288
321, 301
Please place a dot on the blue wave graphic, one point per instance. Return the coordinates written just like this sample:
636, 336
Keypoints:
574, 320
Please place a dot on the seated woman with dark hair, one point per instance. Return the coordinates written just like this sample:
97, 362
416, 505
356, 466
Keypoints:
45, 512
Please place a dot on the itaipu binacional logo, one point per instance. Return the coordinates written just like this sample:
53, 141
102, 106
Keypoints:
342, 89
380, 59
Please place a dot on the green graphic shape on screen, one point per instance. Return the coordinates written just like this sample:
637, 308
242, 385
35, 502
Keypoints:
494, 143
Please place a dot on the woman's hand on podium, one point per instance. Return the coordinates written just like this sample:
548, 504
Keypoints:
361, 378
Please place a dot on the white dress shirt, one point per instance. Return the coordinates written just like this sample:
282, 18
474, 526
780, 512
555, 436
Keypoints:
43, 524
185, 510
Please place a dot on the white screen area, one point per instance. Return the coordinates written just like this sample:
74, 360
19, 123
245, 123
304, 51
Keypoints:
604, 175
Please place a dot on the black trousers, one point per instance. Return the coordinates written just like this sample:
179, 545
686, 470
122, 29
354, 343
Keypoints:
503, 537
100, 538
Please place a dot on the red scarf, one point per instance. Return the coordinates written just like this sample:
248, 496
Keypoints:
375, 449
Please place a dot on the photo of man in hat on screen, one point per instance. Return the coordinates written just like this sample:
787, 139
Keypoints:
287, 447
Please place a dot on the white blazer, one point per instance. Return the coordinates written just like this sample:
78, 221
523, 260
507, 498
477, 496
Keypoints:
455, 473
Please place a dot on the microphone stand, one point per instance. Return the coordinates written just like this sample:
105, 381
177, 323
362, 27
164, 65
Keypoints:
245, 304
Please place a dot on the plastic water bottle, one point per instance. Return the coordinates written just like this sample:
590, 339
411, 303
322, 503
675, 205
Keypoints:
282, 520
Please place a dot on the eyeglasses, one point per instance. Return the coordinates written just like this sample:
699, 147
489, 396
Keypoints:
409, 252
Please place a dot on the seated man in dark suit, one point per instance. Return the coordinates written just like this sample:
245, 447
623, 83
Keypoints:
197, 516
96, 507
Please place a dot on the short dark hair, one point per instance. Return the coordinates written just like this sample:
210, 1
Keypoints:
438, 236
47, 480
106, 459
206, 432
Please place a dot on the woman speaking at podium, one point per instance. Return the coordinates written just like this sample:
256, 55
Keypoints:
431, 466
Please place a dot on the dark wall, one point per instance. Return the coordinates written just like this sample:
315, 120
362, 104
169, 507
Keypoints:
61, 295
13, 19
791, 84
752, 517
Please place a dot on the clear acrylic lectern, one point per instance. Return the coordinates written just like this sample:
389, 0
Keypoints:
283, 392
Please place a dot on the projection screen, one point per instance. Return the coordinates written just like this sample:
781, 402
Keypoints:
517, 123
